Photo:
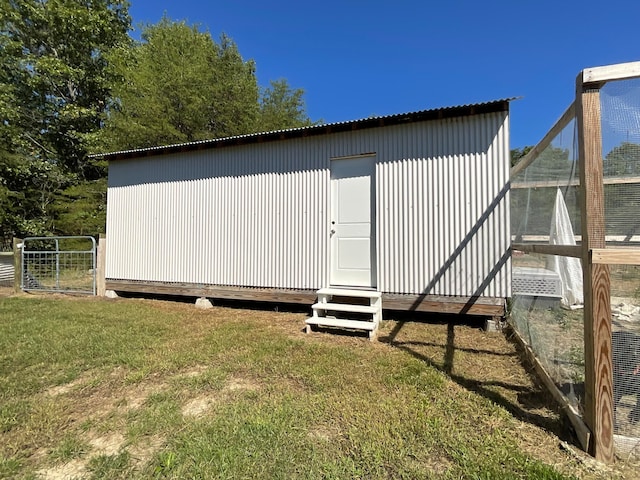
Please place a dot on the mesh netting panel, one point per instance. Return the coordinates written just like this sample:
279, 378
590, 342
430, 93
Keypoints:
620, 110
555, 334
625, 316
534, 191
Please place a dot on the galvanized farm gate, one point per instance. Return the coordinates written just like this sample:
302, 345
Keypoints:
59, 264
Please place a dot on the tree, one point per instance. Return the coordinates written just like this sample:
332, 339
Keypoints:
282, 107
532, 208
623, 160
54, 88
178, 85
518, 153
621, 199
55, 68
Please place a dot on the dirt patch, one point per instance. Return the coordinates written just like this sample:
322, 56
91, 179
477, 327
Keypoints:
236, 384
135, 396
107, 444
110, 444
198, 406
323, 433
194, 371
73, 469
6, 291
99, 397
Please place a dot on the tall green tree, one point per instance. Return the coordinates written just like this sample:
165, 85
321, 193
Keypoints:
54, 89
179, 85
282, 107
58, 73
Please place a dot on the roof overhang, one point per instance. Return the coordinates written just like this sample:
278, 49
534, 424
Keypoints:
373, 122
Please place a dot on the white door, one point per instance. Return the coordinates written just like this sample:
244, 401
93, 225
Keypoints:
353, 222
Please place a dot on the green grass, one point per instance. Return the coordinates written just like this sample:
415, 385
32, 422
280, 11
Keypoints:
141, 389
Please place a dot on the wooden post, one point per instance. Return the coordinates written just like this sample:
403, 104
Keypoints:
598, 408
100, 266
17, 264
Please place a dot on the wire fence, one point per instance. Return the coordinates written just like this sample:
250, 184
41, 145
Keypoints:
547, 289
620, 113
547, 301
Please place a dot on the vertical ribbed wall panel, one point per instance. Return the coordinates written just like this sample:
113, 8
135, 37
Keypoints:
251, 216
257, 215
443, 214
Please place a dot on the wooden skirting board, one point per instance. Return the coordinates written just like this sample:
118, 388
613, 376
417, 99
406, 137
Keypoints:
483, 306
213, 291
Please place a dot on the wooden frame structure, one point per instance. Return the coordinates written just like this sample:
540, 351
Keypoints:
595, 428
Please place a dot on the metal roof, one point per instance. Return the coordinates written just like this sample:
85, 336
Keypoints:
324, 129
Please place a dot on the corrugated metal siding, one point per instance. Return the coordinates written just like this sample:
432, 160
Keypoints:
257, 215
443, 212
6, 269
239, 216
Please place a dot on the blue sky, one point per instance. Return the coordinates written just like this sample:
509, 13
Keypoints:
360, 58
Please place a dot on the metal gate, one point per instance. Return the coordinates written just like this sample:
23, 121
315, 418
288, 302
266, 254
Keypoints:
59, 264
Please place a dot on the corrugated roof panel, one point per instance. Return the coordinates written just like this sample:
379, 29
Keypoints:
371, 122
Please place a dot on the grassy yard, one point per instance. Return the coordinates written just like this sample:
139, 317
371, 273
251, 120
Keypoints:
93, 388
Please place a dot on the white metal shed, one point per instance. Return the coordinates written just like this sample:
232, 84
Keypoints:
413, 205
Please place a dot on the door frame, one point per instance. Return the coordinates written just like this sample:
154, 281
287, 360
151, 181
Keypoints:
373, 247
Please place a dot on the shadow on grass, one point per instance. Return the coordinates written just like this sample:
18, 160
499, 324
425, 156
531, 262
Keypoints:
529, 397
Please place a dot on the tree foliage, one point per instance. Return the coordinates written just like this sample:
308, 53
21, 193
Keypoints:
623, 160
518, 153
73, 82
54, 89
282, 107
179, 85
55, 70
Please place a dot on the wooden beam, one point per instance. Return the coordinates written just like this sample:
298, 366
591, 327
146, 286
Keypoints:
482, 306
582, 431
598, 409
213, 291
101, 253
528, 159
572, 183
17, 264
548, 249
619, 71
615, 256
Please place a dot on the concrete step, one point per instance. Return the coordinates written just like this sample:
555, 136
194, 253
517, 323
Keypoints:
344, 307
341, 323
344, 292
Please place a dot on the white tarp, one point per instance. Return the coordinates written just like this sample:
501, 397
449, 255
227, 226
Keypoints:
568, 268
